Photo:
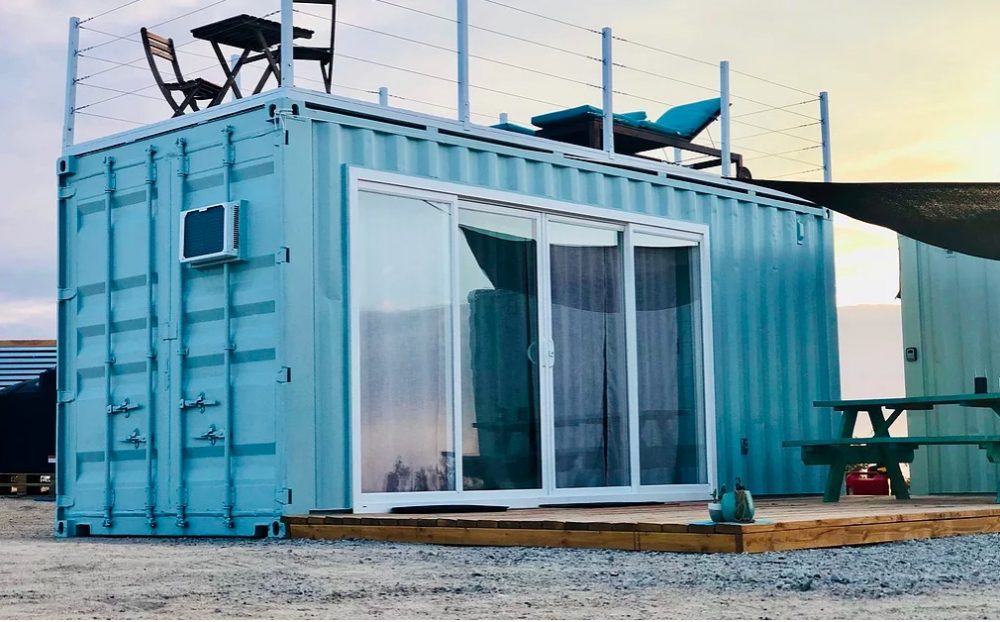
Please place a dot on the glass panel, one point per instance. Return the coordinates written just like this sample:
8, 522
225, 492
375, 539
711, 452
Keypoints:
498, 294
588, 328
403, 291
671, 425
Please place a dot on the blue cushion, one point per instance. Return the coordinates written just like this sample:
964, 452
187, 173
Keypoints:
513, 127
687, 120
562, 116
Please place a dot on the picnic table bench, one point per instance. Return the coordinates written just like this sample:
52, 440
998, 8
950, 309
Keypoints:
890, 451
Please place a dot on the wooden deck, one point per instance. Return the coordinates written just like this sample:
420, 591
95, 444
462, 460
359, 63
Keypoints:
784, 524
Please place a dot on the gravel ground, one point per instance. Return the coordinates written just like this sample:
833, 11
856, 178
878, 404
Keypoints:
41, 577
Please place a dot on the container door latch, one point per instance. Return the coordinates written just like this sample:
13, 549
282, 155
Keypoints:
212, 435
123, 409
199, 402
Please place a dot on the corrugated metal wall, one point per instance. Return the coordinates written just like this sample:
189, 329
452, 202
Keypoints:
949, 303
25, 360
772, 277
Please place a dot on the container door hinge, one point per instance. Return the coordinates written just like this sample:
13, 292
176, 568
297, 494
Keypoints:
124, 408
135, 438
284, 375
284, 255
284, 496
65, 397
212, 435
66, 293
199, 402
67, 192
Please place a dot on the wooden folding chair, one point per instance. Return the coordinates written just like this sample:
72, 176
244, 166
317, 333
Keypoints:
322, 55
193, 91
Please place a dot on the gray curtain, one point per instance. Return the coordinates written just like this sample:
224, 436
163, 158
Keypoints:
589, 381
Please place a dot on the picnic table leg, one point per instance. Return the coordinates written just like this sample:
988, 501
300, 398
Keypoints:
993, 455
835, 478
880, 425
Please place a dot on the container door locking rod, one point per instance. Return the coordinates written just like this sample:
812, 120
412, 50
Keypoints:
199, 402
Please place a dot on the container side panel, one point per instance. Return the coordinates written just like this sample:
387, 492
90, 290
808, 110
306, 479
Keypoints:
772, 286
949, 303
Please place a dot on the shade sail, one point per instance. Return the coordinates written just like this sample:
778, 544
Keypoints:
963, 217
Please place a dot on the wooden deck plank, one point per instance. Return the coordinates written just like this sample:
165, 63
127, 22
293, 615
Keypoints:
790, 524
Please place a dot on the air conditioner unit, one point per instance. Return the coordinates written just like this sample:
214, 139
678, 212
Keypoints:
211, 234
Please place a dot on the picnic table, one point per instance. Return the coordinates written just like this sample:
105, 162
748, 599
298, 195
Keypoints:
256, 36
883, 448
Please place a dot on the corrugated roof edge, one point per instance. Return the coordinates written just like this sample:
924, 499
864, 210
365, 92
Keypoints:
447, 126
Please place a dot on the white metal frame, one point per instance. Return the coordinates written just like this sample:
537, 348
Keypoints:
460, 196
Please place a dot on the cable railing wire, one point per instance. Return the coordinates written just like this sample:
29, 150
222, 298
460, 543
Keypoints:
545, 17
172, 19
787, 129
781, 153
129, 38
110, 118
772, 155
178, 47
109, 11
809, 170
397, 68
801, 103
413, 10
454, 51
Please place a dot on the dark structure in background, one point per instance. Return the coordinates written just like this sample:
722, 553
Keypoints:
962, 217
28, 425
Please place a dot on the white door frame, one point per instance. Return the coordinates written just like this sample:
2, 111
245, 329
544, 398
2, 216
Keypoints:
459, 196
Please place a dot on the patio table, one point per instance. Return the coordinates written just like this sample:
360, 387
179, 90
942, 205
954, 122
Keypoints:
884, 448
255, 36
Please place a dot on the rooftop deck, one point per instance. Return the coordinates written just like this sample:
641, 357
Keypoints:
783, 524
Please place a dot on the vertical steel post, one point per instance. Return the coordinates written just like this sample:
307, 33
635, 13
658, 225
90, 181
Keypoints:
228, 345
71, 60
287, 43
725, 118
824, 128
504, 118
608, 137
150, 343
109, 356
462, 20
678, 155
383, 96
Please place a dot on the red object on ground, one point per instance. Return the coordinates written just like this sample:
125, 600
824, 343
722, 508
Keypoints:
869, 481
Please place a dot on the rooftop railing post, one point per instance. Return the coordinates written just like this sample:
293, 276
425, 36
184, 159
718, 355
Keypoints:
824, 128
727, 147
462, 20
287, 43
504, 118
383, 96
608, 138
69, 120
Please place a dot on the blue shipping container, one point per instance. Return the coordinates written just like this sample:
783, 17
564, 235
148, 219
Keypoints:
299, 302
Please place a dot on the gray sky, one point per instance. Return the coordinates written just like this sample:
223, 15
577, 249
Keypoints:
913, 84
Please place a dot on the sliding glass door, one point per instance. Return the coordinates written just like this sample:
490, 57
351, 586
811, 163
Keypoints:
518, 356
498, 307
589, 381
